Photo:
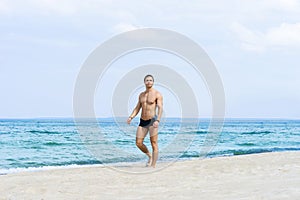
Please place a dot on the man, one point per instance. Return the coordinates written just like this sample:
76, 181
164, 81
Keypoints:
149, 100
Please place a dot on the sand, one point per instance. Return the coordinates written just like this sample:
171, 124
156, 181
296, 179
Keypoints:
255, 176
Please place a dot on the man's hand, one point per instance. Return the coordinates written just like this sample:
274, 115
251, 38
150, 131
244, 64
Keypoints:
155, 124
129, 120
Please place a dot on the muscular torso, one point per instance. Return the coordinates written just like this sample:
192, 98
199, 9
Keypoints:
148, 101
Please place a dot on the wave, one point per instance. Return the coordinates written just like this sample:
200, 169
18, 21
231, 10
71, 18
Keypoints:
44, 132
54, 144
114, 161
253, 151
5, 132
37, 166
43, 168
194, 132
67, 165
257, 132
119, 141
247, 144
190, 155
250, 151
200, 132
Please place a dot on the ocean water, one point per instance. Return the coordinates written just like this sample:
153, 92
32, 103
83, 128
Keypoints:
29, 144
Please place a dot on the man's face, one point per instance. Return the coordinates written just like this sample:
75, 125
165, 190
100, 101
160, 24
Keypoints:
148, 82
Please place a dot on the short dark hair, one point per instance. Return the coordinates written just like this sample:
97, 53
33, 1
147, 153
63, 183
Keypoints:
148, 75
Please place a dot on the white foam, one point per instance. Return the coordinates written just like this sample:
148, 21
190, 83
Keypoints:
44, 168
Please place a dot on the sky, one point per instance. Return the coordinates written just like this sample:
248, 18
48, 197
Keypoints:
254, 44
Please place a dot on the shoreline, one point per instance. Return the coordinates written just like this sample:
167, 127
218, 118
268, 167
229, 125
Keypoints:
274, 175
7, 171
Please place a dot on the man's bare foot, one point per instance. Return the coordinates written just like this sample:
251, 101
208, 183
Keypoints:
149, 161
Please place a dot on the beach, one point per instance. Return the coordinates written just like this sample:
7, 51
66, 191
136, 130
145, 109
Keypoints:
256, 176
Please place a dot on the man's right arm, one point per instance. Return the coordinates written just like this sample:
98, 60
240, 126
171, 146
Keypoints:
134, 112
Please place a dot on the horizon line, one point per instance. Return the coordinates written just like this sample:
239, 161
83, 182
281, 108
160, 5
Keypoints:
225, 118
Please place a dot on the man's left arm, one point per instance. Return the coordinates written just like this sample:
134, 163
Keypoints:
159, 106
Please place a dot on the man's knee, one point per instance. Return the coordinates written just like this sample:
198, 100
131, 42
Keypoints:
139, 143
154, 145
153, 142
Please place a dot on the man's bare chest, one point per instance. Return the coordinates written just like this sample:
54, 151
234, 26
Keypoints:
148, 98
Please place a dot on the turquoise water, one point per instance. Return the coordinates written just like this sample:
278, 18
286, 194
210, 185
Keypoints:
42, 143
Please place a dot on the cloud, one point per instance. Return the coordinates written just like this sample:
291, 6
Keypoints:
64, 7
55, 7
36, 7
285, 35
287, 5
122, 27
37, 40
250, 40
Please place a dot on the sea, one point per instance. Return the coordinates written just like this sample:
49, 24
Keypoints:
41, 144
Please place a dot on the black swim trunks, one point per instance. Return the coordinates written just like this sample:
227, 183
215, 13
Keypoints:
147, 123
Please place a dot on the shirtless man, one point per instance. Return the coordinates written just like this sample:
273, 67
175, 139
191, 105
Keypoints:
149, 100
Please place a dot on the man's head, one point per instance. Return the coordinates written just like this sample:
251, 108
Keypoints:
147, 76
148, 80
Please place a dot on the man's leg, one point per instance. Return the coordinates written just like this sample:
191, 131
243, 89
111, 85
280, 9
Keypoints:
140, 136
153, 138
